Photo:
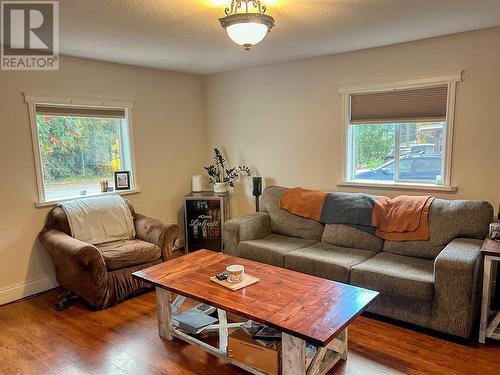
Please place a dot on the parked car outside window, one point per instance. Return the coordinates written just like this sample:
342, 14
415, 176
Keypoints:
423, 167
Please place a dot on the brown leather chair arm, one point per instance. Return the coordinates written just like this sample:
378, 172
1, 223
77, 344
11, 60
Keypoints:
59, 243
154, 231
79, 266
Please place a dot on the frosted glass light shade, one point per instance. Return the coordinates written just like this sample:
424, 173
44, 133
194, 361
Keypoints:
246, 28
247, 34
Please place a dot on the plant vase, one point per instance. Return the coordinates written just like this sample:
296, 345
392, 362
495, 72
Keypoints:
220, 187
221, 175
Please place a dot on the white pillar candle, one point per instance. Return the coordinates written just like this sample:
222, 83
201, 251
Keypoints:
197, 184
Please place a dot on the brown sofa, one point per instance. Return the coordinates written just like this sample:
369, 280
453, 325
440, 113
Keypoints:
434, 283
101, 274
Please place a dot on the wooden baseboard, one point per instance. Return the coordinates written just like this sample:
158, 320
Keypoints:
26, 289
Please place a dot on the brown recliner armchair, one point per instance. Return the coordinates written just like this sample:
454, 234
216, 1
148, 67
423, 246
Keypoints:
102, 274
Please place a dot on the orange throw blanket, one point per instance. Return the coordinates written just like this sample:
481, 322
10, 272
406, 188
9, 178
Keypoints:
403, 218
303, 202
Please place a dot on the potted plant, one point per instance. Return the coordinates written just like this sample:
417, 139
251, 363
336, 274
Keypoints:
221, 176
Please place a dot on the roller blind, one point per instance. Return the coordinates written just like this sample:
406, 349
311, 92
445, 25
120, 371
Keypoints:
80, 111
406, 105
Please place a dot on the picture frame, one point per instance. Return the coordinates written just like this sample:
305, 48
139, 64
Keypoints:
122, 180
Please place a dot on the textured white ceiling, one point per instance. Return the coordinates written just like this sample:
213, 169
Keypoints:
185, 35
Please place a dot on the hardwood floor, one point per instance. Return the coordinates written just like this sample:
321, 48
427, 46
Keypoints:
36, 339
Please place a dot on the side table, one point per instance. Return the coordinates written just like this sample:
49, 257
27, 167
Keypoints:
491, 252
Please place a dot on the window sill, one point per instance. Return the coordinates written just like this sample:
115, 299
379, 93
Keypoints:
55, 202
398, 186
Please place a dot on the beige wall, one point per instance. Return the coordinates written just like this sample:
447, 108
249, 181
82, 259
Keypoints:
285, 120
169, 147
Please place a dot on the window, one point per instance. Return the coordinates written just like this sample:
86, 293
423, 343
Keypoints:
400, 135
76, 147
375, 150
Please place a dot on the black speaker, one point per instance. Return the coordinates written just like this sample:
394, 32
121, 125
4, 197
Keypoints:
257, 191
257, 186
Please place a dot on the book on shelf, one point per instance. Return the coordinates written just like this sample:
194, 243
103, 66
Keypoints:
192, 322
267, 333
250, 328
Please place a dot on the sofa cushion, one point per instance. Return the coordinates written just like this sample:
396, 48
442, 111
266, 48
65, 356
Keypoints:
327, 261
346, 236
396, 275
286, 223
127, 253
448, 219
272, 249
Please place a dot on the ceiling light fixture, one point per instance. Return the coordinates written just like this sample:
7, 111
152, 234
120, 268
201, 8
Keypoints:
247, 24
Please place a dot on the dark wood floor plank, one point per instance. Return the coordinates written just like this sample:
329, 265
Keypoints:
36, 339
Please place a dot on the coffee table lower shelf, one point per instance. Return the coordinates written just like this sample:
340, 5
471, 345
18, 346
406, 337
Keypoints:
293, 349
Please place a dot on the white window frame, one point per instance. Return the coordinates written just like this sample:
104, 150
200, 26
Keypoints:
32, 101
449, 79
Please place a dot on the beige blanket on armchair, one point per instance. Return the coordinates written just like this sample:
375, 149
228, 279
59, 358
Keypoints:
100, 219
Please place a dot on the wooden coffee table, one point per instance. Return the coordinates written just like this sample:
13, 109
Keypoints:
305, 308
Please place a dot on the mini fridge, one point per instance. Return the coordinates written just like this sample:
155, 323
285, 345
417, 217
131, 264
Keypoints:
205, 214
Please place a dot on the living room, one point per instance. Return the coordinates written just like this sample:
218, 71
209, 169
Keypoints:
329, 97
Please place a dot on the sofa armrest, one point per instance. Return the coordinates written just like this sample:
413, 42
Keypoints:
155, 231
457, 287
249, 227
79, 266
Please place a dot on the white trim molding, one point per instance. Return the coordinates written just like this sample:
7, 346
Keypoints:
26, 289
397, 186
402, 83
55, 202
85, 102
450, 79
